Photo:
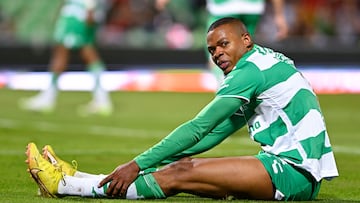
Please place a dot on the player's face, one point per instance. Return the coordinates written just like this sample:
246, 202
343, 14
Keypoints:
227, 45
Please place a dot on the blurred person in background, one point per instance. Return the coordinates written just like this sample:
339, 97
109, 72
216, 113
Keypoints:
324, 23
75, 29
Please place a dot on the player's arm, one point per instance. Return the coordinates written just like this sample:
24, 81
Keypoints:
191, 132
90, 7
215, 137
279, 18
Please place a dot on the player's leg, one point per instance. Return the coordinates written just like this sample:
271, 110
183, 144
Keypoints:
65, 40
53, 182
243, 177
45, 101
47, 172
265, 176
239, 177
101, 102
58, 65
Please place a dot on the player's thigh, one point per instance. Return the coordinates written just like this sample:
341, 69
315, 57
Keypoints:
72, 33
291, 183
242, 177
238, 174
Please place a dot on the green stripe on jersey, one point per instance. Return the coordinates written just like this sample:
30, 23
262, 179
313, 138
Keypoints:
306, 100
280, 72
269, 135
292, 155
314, 146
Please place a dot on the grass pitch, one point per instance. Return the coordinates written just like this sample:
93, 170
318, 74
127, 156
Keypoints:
141, 119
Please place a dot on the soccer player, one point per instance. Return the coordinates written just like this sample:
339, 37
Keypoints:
75, 30
262, 89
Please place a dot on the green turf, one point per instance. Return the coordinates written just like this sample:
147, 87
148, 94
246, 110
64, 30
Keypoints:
140, 120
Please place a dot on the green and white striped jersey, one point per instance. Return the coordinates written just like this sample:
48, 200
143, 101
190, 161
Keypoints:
228, 7
282, 111
79, 8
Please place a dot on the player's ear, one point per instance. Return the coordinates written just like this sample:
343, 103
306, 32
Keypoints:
247, 40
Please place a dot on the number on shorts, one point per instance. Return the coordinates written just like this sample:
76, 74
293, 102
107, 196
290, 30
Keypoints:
277, 167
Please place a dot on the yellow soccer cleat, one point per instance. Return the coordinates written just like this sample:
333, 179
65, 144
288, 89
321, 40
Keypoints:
63, 166
44, 173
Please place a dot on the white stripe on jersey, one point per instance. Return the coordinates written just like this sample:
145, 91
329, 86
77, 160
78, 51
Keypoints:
326, 165
235, 7
309, 125
283, 92
310, 119
262, 61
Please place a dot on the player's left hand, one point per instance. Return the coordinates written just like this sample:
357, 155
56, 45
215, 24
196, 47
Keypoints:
120, 179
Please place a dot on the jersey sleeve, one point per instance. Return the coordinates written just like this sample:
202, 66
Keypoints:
244, 82
190, 133
215, 137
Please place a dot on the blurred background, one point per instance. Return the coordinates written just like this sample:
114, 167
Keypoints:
135, 35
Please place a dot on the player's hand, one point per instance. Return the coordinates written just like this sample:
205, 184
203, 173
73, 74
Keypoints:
160, 5
90, 18
120, 179
282, 27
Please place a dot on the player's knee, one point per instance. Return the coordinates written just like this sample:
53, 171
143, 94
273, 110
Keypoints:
173, 176
181, 173
182, 166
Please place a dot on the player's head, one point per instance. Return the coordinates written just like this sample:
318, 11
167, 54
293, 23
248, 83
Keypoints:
227, 41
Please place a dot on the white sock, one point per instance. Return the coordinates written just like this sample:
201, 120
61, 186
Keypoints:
132, 192
80, 174
85, 187
101, 96
49, 94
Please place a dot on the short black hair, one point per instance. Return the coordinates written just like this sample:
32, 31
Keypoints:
223, 21
228, 20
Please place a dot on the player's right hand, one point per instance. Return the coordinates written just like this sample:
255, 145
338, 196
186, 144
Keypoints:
120, 179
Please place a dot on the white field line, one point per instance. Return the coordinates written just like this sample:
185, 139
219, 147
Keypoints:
122, 132
72, 152
49, 127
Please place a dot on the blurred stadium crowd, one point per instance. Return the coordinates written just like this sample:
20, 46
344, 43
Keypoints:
139, 24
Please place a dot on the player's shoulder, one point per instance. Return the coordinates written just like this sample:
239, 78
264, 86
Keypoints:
245, 68
244, 75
